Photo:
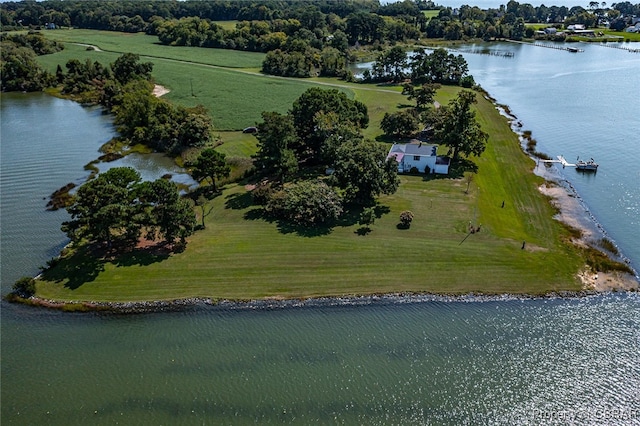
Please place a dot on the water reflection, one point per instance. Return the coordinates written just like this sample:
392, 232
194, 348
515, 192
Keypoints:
151, 167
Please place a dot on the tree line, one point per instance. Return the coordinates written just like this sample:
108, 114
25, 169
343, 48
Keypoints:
125, 88
19, 68
362, 21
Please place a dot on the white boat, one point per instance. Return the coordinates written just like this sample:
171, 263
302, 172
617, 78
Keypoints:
587, 166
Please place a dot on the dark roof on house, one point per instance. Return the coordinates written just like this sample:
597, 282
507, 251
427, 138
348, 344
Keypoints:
420, 149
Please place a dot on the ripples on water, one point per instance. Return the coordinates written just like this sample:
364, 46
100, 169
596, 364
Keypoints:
388, 362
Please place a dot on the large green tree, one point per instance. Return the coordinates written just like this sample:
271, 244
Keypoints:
362, 171
457, 127
116, 207
400, 124
104, 211
276, 135
309, 108
423, 95
390, 64
128, 67
168, 216
305, 203
211, 165
20, 70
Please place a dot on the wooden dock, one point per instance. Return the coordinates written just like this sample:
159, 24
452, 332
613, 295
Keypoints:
560, 160
548, 46
616, 45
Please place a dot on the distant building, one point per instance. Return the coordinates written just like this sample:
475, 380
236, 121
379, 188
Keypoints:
633, 29
419, 155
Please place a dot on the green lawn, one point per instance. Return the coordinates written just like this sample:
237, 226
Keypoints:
430, 13
227, 25
240, 255
237, 144
627, 36
146, 45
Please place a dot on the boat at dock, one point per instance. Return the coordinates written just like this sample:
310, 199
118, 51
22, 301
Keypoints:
587, 166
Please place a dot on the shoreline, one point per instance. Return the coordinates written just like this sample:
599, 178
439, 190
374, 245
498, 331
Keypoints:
571, 211
180, 305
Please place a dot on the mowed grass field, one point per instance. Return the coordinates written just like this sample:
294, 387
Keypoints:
147, 45
234, 98
242, 255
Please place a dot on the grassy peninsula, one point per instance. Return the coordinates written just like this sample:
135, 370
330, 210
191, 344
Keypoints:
242, 255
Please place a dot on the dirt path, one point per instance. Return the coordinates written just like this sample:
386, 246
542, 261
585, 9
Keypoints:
94, 47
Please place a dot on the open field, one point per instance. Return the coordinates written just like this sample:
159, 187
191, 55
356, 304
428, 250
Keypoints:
146, 45
242, 256
233, 98
227, 25
627, 36
430, 13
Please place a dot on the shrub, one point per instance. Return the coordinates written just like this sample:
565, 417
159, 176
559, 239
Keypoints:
262, 193
305, 203
25, 287
406, 217
608, 245
467, 81
367, 217
531, 145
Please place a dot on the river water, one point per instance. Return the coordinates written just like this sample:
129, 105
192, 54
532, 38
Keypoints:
578, 105
370, 361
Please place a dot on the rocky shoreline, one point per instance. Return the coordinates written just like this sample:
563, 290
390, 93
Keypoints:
273, 303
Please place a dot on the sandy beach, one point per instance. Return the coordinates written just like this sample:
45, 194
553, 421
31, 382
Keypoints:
574, 213
159, 90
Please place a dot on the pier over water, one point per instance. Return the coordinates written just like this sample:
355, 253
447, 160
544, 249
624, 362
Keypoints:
548, 46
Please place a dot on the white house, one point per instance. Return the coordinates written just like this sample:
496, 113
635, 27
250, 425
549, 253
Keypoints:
634, 29
419, 155
576, 27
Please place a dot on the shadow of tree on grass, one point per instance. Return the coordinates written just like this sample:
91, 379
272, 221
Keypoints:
88, 262
239, 201
79, 268
349, 217
144, 256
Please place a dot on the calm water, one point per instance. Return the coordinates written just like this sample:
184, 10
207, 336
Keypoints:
374, 362
579, 105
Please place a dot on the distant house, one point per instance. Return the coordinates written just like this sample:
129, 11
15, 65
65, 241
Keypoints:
576, 27
550, 30
419, 155
634, 29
